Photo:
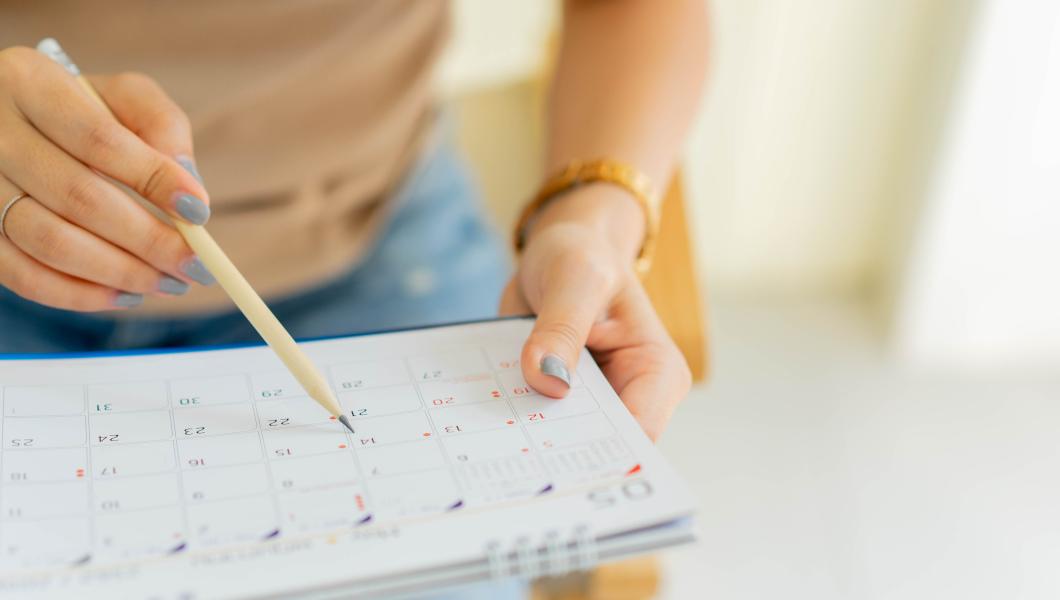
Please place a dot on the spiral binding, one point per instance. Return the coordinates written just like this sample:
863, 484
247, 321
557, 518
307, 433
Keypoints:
552, 556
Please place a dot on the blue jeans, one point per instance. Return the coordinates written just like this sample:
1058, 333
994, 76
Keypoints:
438, 260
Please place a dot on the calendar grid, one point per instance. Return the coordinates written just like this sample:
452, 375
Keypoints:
90, 476
531, 449
436, 437
177, 466
3, 452
362, 478
402, 475
363, 475
265, 458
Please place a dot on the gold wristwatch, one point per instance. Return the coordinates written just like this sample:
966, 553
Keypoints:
579, 173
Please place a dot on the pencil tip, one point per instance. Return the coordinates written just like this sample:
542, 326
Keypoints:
346, 421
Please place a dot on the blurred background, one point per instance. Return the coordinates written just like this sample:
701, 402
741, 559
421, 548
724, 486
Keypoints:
873, 199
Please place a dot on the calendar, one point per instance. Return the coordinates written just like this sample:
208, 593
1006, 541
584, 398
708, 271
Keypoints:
211, 473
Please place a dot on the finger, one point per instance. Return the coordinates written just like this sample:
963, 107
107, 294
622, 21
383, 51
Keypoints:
43, 285
146, 110
512, 301
641, 361
571, 302
64, 247
652, 399
65, 113
82, 197
631, 321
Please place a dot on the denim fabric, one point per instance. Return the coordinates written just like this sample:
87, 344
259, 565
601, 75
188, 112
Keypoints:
438, 260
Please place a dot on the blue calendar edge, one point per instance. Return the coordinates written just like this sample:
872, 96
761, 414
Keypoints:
194, 349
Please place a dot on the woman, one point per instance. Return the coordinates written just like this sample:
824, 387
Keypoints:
329, 180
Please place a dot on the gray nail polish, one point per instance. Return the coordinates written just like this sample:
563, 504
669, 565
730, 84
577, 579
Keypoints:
194, 268
189, 166
554, 366
192, 209
172, 286
127, 300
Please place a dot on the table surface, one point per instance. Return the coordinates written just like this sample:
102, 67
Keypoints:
824, 471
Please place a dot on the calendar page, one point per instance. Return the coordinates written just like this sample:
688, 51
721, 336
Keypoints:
211, 473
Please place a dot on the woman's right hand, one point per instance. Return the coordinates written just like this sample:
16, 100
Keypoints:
77, 241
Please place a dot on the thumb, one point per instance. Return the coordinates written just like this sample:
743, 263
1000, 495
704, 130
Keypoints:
568, 309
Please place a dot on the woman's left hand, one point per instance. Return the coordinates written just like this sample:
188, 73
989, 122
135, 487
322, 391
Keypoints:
585, 293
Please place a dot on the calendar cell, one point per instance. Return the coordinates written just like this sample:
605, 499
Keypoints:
504, 357
304, 441
132, 459
429, 492
43, 432
44, 500
209, 391
515, 385
291, 412
467, 419
503, 479
145, 426
275, 385
135, 493
50, 543
44, 401
395, 459
228, 521
331, 508
314, 471
486, 445
440, 394
456, 364
140, 533
572, 430
389, 430
218, 419
39, 466
380, 401
126, 396
577, 463
369, 374
535, 407
223, 483
219, 451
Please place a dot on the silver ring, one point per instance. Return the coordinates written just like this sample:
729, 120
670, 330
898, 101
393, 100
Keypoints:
7, 207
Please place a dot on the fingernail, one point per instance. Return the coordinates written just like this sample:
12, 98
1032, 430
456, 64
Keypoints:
194, 268
172, 286
192, 209
189, 166
554, 366
127, 300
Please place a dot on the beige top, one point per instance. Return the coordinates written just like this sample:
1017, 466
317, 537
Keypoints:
305, 114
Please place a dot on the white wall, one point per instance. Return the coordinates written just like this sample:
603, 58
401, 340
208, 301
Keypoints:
798, 133
796, 161
495, 43
982, 283
809, 165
